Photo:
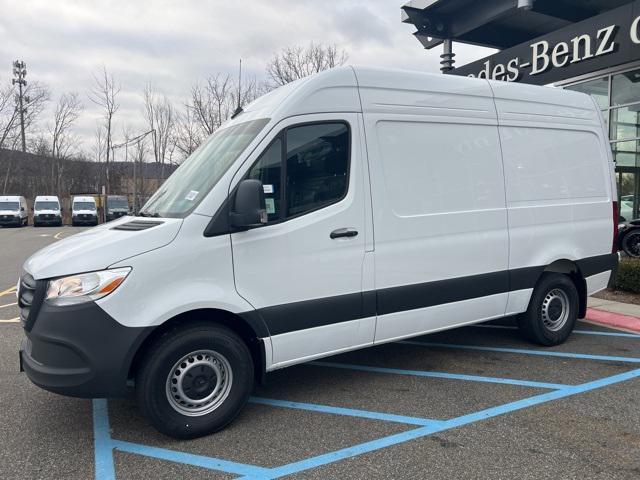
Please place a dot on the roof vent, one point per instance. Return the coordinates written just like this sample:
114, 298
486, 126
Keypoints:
137, 225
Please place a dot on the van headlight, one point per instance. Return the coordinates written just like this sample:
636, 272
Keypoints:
85, 287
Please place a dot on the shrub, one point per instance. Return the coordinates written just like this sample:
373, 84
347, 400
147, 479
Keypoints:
629, 275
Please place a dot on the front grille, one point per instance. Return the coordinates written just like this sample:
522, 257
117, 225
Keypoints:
46, 216
30, 298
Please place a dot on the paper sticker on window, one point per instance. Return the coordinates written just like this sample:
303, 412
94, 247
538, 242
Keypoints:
191, 196
271, 205
267, 188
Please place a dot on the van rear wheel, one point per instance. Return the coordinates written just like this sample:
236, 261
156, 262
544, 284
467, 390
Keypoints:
552, 312
195, 380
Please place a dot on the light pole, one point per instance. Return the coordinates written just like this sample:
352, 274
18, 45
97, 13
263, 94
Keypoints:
19, 72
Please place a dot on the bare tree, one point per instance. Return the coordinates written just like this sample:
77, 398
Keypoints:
67, 112
10, 118
161, 119
295, 62
63, 141
38, 95
188, 135
104, 94
211, 104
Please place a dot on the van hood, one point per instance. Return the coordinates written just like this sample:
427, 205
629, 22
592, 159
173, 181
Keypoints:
99, 247
9, 212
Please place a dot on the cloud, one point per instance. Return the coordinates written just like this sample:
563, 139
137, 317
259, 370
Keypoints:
174, 43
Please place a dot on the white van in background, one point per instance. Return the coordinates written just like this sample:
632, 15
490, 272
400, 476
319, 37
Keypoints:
84, 211
13, 211
46, 211
347, 209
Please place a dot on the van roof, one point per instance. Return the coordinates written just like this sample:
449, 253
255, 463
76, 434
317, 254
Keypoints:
358, 89
10, 198
46, 198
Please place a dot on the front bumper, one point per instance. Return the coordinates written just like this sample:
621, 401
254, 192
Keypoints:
10, 220
53, 219
85, 220
79, 351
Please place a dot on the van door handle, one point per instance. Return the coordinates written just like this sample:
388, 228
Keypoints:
343, 232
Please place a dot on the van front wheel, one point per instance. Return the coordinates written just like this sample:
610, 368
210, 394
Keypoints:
552, 312
194, 380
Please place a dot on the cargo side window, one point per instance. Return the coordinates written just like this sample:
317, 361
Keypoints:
317, 166
311, 162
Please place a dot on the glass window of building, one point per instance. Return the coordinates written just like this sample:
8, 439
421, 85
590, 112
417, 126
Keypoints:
598, 88
625, 88
618, 95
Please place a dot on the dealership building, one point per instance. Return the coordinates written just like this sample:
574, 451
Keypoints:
591, 46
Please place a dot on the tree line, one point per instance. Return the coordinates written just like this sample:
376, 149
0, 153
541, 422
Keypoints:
173, 131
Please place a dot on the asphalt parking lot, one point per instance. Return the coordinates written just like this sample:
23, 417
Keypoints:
474, 402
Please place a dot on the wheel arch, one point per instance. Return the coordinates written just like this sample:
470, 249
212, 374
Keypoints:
572, 270
247, 325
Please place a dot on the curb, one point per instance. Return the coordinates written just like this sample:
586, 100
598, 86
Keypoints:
613, 320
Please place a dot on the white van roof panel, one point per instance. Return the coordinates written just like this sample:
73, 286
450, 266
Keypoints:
46, 198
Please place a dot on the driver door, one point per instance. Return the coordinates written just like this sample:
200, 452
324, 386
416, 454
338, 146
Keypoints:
303, 270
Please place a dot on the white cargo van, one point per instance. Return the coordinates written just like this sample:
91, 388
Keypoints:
84, 211
347, 209
13, 211
46, 211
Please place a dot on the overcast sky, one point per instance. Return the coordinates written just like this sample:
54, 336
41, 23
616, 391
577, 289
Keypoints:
174, 43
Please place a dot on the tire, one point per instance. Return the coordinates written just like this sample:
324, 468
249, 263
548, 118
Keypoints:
631, 243
208, 347
552, 312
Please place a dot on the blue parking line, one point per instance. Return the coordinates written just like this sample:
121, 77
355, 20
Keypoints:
544, 353
452, 376
210, 463
581, 332
398, 438
387, 417
104, 469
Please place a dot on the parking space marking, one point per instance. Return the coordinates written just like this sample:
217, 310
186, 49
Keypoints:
547, 353
11, 320
190, 459
105, 445
57, 235
387, 417
451, 376
103, 454
9, 305
395, 439
578, 331
7, 291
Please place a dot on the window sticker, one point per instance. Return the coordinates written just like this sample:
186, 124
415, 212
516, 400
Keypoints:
271, 205
267, 188
191, 196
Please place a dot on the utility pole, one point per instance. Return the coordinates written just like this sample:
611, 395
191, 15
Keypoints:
19, 72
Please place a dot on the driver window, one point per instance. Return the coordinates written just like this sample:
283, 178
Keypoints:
268, 170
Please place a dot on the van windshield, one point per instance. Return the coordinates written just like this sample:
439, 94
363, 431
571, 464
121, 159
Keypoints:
9, 206
46, 206
199, 173
117, 203
84, 206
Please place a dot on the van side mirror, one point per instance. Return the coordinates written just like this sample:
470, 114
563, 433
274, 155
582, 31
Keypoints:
248, 207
